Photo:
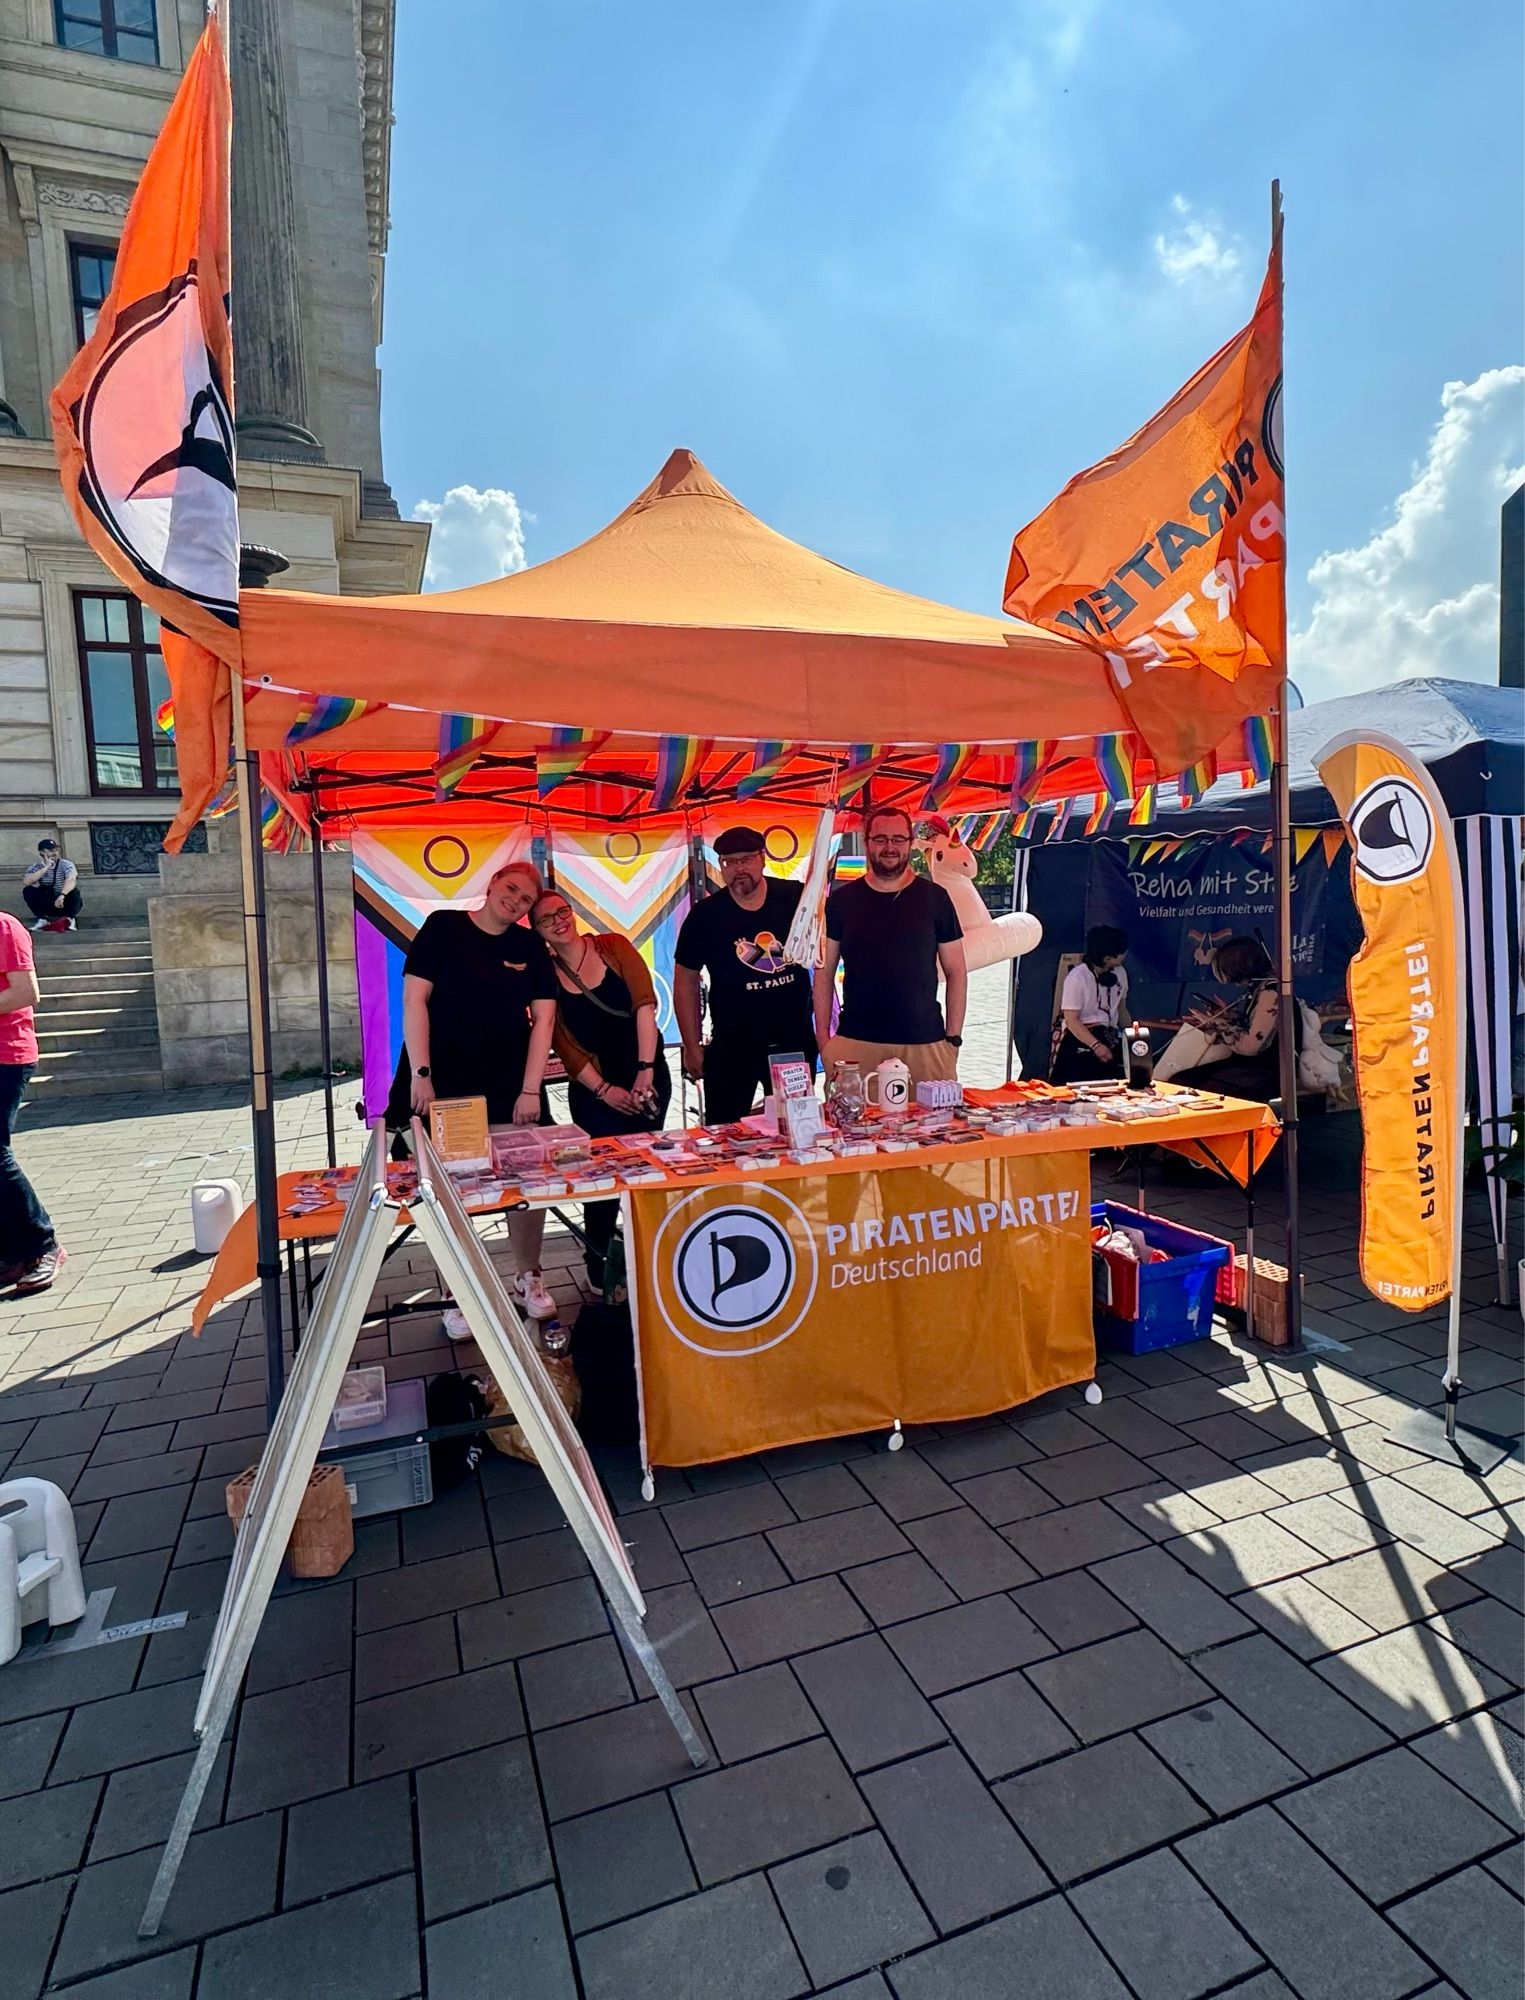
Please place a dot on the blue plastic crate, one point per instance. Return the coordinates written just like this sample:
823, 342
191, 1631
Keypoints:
1175, 1299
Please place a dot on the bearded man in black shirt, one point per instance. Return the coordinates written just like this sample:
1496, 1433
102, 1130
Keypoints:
759, 1003
891, 932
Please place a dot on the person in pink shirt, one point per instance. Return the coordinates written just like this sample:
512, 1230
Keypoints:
30, 1253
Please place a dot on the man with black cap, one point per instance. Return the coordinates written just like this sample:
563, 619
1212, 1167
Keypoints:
759, 1004
50, 889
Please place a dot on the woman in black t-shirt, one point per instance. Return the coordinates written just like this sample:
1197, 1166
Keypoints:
478, 1012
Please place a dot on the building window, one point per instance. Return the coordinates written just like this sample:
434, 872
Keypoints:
124, 682
125, 29
90, 269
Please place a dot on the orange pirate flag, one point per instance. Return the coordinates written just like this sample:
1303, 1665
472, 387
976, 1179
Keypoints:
143, 420
1169, 556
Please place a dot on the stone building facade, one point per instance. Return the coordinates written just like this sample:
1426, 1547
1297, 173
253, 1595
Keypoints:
84, 85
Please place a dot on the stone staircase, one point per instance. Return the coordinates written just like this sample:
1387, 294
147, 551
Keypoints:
97, 1026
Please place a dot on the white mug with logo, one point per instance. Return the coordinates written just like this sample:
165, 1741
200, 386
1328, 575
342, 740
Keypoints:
889, 1086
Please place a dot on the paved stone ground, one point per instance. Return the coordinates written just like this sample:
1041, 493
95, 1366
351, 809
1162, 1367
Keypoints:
1207, 1689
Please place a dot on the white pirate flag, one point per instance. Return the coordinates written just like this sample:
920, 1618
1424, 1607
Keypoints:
143, 418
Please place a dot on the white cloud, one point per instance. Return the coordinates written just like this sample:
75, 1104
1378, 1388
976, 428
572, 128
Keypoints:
477, 534
1421, 596
1194, 248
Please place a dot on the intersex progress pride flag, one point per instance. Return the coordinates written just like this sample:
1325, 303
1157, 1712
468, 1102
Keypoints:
1168, 556
771, 1313
1408, 1014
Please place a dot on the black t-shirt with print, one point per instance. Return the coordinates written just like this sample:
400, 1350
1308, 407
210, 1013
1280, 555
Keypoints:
755, 997
889, 943
479, 1027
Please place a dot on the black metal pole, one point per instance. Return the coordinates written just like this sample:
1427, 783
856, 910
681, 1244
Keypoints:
325, 1026
255, 566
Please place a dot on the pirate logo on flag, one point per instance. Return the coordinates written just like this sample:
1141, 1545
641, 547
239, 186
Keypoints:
156, 435
143, 417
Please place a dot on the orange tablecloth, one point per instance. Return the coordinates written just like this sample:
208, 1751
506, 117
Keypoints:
1234, 1138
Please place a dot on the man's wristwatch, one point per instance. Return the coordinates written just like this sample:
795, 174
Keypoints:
956, 1040
422, 1070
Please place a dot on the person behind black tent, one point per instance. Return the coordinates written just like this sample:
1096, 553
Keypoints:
1093, 1004
1232, 1048
608, 1041
759, 1004
479, 1010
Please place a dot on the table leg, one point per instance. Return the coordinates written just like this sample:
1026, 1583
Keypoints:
291, 1290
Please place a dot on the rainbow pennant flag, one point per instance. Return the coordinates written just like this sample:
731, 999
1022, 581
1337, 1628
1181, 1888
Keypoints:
980, 831
1259, 749
462, 739
768, 761
1100, 813
679, 759
1143, 806
1060, 820
849, 868
953, 762
863, 759
226, 800
279, 833
1029, 762
1115, 757
564, 756
318, 713
1194, 782
1021, 822
164, 717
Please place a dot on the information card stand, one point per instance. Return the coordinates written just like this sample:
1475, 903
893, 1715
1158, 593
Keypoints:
291, 1452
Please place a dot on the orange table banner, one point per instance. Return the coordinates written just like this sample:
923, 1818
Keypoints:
1408, 1017
772, 1313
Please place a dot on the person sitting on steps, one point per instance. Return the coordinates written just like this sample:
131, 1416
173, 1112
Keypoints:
50, 889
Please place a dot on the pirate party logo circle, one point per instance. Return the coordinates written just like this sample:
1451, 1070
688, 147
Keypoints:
1393, 827
157, 440
735, 1270
1270, 427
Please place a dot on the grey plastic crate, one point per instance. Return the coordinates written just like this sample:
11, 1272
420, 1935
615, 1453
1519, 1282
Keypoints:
382, 1481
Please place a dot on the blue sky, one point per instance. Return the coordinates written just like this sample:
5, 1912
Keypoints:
896, 269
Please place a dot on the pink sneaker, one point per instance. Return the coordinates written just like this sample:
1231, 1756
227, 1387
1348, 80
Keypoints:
37, 1277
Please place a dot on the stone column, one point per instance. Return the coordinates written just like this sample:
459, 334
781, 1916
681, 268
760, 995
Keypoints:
271, 383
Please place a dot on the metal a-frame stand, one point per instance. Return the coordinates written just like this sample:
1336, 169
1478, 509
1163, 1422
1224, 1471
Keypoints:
291, 1451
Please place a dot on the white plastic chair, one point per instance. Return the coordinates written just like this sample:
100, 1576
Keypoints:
39, 1561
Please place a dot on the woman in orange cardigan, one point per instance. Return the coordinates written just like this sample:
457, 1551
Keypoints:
608, 1041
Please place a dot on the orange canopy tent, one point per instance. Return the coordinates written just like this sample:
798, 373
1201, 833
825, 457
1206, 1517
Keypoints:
686, 616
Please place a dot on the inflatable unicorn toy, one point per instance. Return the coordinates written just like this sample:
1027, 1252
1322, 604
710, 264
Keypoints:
988, 940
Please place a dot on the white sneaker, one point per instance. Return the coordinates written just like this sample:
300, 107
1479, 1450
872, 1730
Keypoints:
73, 925
535, 1294
41, 924
455, 1323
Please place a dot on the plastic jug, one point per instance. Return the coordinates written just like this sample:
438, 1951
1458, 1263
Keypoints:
215, 1207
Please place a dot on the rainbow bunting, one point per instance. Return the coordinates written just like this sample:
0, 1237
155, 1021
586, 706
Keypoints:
1259, 748
980, 831
279, 833
1029, 762
1021, 821
1100, 813
768, 761
564, 756
164, 717
1060, 820
1192, 783
679, 759
953, 762
849, 868
863, 759
1143, 806
462, 739
318, 713
1115, 758
226, 800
